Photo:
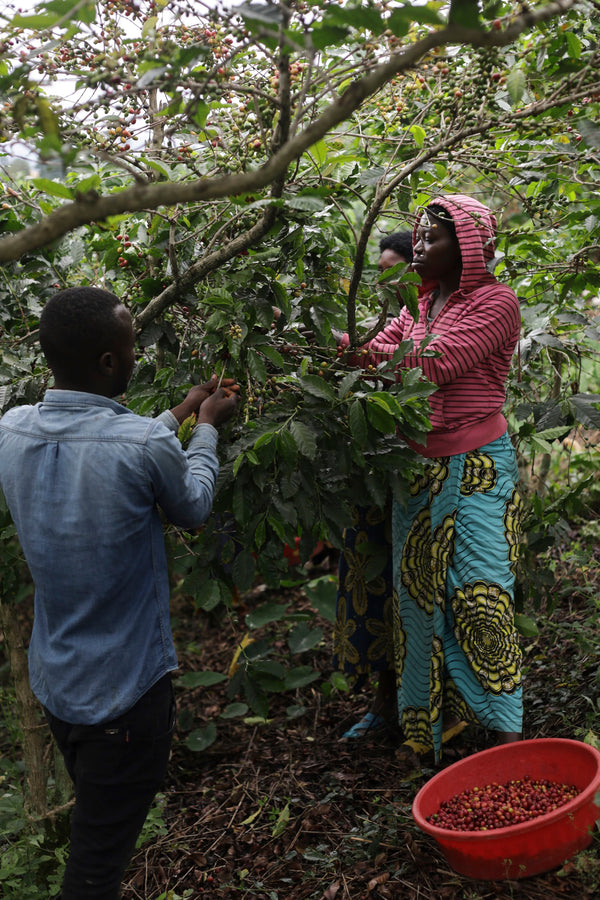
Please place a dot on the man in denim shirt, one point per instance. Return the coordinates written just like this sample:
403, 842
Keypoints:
84, 479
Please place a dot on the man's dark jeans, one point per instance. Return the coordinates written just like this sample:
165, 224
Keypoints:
117, 768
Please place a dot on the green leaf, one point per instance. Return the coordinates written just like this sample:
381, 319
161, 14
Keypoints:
91, 183
358, 17
256, 366
295, 711
39, 22
358, 422
233, 710
265, 439
418, 134
243, 570
347, 383
54, 188
526, 626
278, 527
304, 638
401, 19
551, 434
201, 679
266, 613
200, 114
574, 45
260, 534
287, 447
261, 13
515, 85
593, 740
584, 408
149, 26
150, 76
305, 439
300, 677
207, 596
256, 649
380, 418
399, 22
84, 12
201, 738
540, 444
273, 355
319, 152
317, 387
240, 506
161, 167
589, 132
286, 511
339, 681
325, 36
270, 667
269, 675
306, 203
256, 698
322, 593
464, 12
237, 463
282, 821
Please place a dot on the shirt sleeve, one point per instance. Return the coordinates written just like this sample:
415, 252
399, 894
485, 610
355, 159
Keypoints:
183, 480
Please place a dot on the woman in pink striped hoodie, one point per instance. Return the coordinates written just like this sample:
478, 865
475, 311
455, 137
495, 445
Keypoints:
457, 655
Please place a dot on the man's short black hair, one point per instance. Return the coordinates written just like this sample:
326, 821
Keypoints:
399, 242
76, 327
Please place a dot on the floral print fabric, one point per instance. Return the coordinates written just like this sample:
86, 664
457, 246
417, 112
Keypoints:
363, 632
455, 548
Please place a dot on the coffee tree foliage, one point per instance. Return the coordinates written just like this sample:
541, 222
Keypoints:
211, 164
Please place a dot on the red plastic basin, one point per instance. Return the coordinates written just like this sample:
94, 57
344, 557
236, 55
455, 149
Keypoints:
517, 851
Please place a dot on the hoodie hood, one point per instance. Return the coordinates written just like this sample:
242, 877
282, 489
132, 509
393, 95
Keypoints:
476, 232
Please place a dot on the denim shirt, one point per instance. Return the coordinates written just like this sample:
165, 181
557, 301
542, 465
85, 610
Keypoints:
84, 479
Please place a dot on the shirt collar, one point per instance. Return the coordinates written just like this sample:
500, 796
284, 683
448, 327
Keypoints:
57, 397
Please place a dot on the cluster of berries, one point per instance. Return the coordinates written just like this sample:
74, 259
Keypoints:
499, 805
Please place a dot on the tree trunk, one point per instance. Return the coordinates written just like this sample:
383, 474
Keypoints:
28, 712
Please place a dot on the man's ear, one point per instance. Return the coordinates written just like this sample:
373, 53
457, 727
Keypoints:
106, 364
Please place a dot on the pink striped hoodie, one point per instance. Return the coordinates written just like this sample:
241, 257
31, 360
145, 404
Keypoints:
476, 333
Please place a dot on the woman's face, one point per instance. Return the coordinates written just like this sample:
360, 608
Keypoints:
436, 253
387, 259
390, 258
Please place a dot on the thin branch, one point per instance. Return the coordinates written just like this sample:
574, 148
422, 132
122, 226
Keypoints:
97, 208
212, 261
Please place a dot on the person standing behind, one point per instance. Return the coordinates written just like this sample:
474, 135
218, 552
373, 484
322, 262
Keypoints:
457, 654
363, 643
395, 248
84, 479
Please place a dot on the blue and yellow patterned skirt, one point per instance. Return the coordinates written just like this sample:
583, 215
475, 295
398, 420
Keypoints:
456, 651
